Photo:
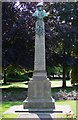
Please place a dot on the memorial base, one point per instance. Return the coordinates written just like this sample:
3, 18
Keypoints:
39, 103
39, 95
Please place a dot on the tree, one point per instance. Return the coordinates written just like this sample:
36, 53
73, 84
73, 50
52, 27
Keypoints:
74, 74
61, 34
4, 77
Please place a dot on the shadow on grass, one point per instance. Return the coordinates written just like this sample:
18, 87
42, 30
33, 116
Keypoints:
14, 94
26, 83
2, 84
57, 89
15, 88
6, 84
8, 104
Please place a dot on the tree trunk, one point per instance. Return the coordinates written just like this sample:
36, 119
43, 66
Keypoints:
64, 68
64, 78
4, 77
53, 75
68, 76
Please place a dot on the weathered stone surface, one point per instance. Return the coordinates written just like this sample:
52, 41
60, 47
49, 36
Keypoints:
39, 75
39, 103
37, 116
39, 88
39, 95
39, 62
18, 109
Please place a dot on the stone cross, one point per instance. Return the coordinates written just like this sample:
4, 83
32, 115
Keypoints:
39, 88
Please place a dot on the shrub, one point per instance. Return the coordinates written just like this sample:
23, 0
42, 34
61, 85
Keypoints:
16, 73
18, 78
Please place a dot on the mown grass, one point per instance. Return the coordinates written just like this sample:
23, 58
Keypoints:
54, 83
58, 83
5, 106
73, 105
15, 84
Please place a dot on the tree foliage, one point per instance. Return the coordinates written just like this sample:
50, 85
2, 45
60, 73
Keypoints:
18, 33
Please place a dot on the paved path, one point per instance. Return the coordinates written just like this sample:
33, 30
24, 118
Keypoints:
34, 114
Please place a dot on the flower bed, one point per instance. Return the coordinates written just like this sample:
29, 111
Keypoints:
64, 95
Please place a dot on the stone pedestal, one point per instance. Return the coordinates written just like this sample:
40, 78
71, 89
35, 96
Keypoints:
39, 95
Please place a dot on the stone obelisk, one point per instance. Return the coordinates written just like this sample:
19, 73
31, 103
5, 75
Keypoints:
39, 88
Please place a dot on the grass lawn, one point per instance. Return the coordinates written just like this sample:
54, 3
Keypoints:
58, 83
15, 84
5, 106
73, 105
54, 83
19, 87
